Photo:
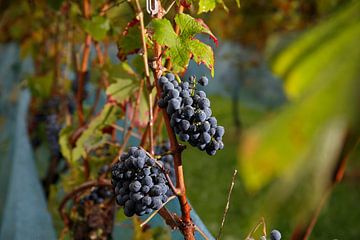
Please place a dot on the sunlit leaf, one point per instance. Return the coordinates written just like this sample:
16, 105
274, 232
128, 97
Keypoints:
209, 5
93, 136
183, 47
65, 146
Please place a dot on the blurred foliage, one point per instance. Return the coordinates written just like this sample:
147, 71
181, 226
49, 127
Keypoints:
288, 153
255, 21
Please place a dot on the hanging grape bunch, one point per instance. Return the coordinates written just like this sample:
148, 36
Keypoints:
93, 215
139, 182
190, 113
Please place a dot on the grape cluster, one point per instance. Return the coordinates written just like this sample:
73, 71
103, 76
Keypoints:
92, 215
140, 185
97, 196
190, 113
52, 129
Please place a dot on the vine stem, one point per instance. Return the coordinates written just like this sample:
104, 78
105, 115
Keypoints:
140, 16
187, 226
84, 65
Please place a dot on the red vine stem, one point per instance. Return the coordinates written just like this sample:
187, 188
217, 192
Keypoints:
84, 65
187, 227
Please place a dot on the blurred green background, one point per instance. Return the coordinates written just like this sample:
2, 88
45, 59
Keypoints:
287, 90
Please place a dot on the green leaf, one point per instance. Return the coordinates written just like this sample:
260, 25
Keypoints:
209, 5
323, 82
202, 53
97, 27
96, 140
65, 146
40, 86
122, 89
164, 33
182, 47
130, 40
93, 137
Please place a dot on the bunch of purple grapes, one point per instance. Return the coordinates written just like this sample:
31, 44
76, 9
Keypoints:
140, 184
190, 113
98, 195
52, 129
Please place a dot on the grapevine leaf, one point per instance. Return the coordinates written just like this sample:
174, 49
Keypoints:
202, 53
209, 5
97, 27
130, 40
164, 33
116, 71
121, 89
65, 146
184, 46
96, 140
92, 136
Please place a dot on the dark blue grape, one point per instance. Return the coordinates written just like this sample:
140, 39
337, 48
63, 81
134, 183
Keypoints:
203, 81
170, 76
200, 116
135, 186
184, 137
275, 235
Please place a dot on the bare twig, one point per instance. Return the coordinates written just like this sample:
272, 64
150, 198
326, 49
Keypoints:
227, 204
262, 221
84, 65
